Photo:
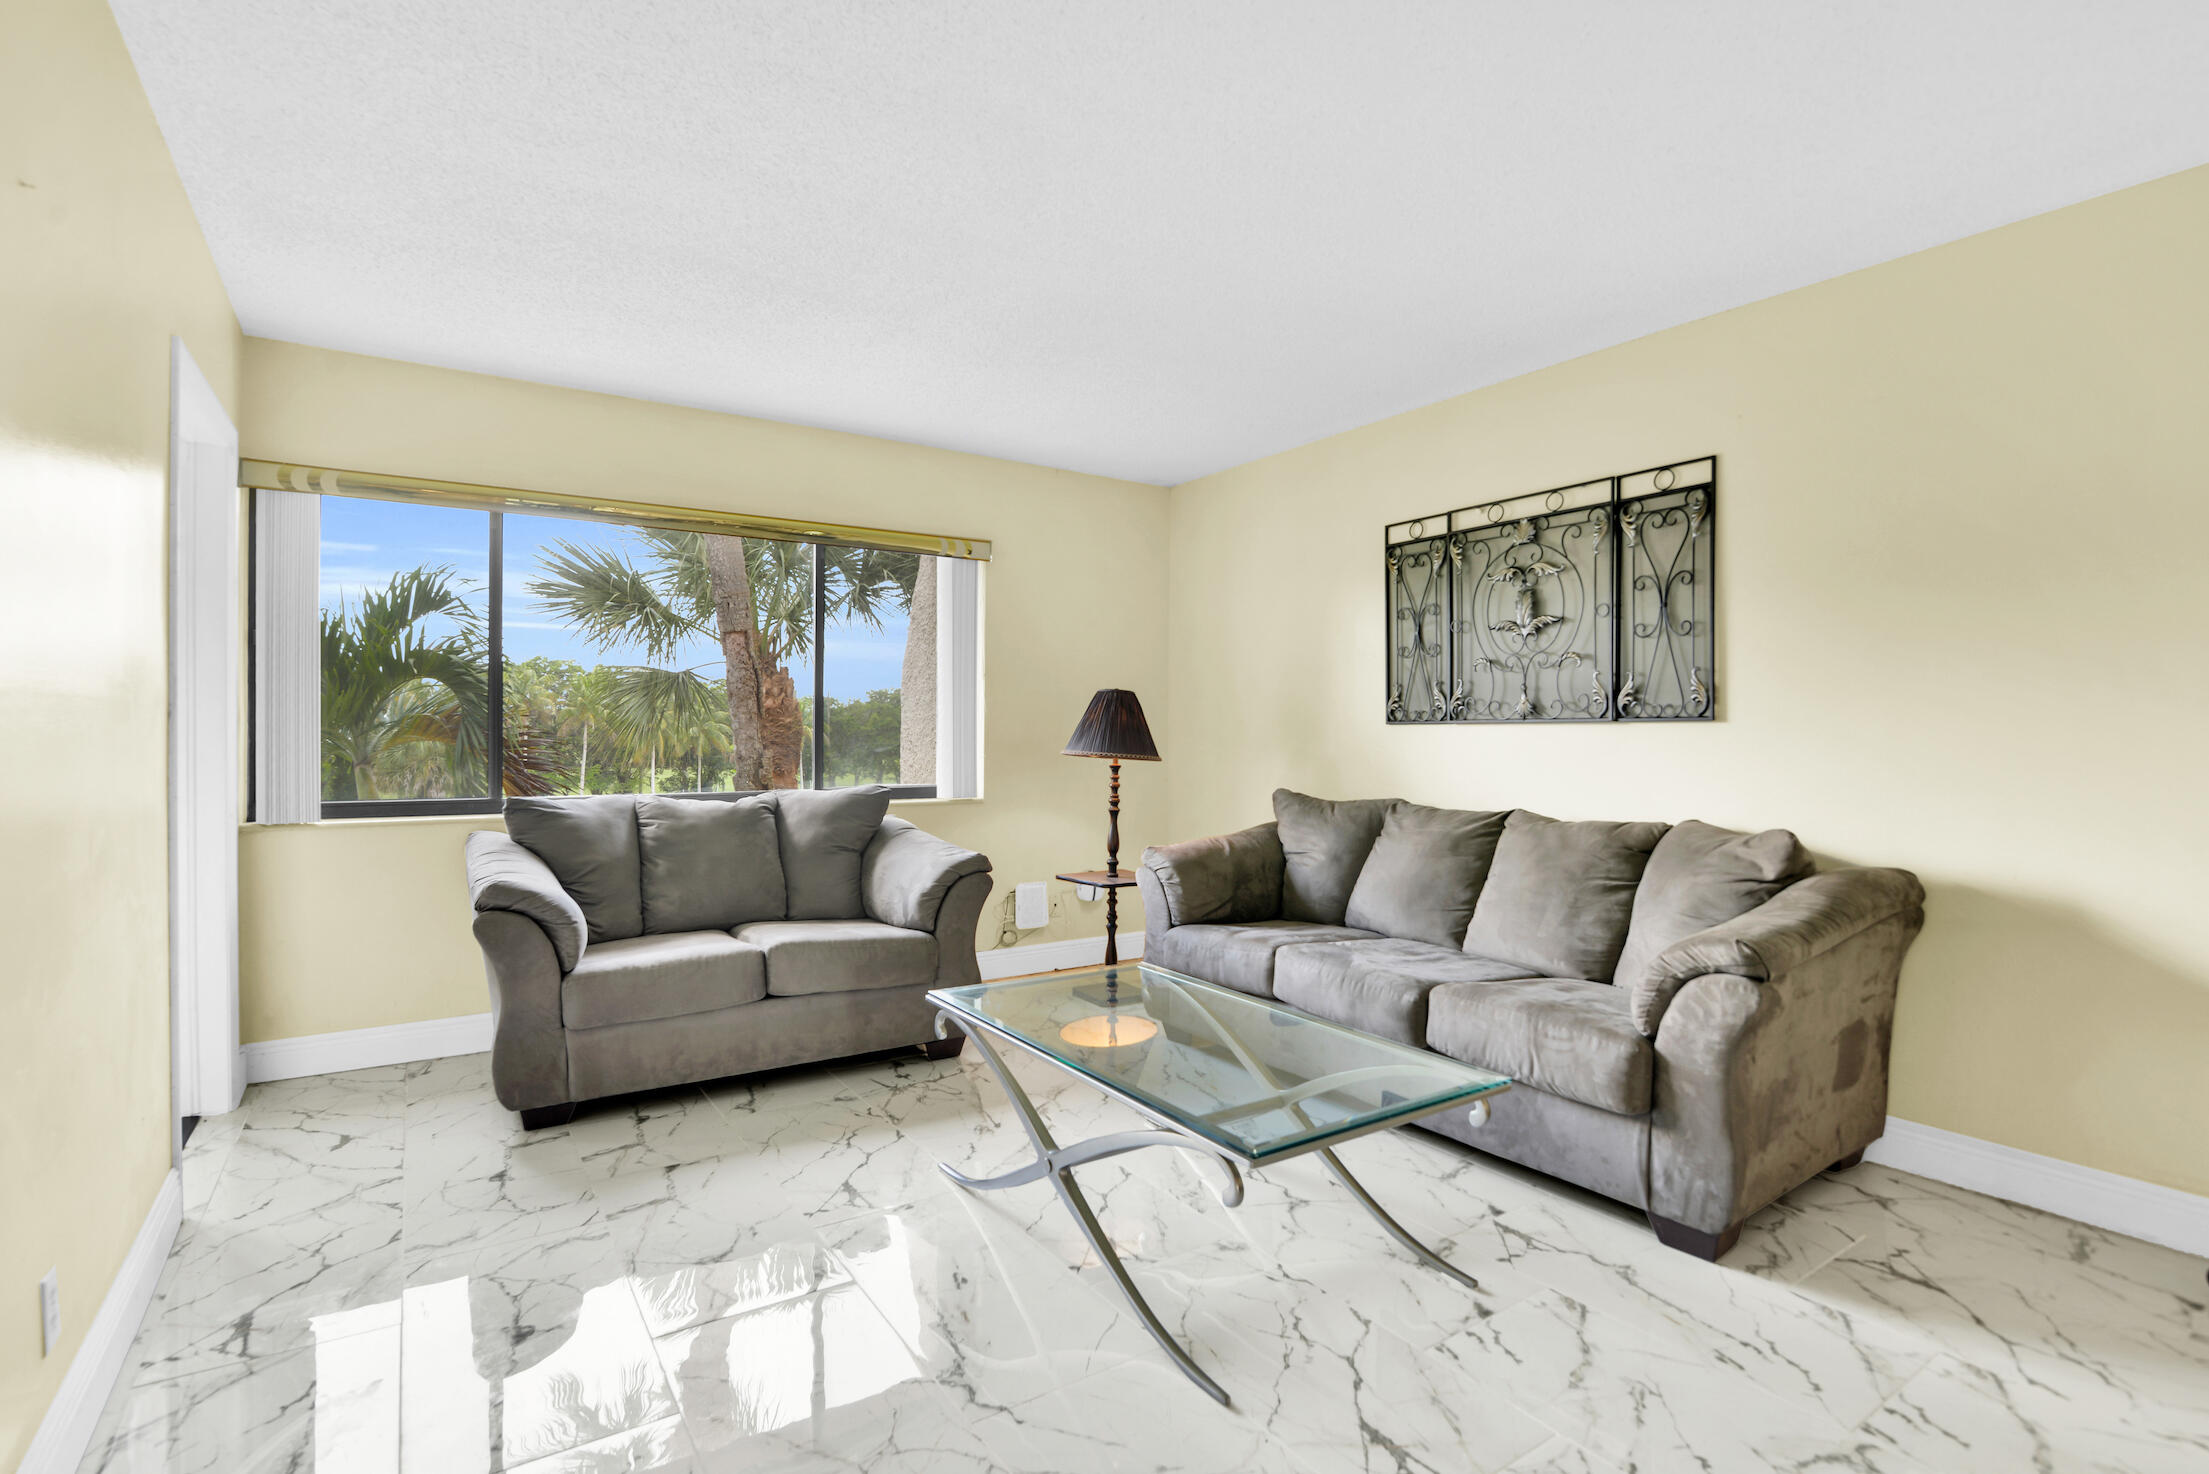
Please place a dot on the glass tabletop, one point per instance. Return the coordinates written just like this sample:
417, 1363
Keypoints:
1251, 1075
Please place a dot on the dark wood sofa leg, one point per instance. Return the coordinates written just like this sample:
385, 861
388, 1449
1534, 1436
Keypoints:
1847, 1162
538, 1118
944, 1048
1706, 1246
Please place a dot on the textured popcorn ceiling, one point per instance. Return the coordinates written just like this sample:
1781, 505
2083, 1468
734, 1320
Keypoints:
1148, 240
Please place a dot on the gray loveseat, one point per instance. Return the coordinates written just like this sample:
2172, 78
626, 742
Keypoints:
633, 943
1696, 1019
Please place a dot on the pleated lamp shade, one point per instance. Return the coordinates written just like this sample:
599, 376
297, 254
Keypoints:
1113, 727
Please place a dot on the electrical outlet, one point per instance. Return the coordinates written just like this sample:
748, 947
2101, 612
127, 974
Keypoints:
49, 1309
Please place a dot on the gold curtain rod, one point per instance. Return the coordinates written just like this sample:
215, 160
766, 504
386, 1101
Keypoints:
283, 476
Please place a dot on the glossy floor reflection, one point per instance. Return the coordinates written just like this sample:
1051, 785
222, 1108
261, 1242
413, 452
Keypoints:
380, 1271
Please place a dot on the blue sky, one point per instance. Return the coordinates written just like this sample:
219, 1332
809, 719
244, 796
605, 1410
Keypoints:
365, 542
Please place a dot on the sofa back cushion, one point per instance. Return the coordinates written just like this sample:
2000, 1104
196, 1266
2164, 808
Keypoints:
1323, 847
1425, 873
591, 845
1560, 896
1699, 876
709, 864
824, 835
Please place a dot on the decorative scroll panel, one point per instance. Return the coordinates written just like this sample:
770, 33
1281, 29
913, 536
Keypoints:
1665, 638
1587, 603
1418, 606
1532, 610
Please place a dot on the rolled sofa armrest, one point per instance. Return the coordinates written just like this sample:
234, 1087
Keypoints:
503, 876
1157, 916
907, 872
529, 1041
1229, 877
956, 963
1764, 1079
1809, 918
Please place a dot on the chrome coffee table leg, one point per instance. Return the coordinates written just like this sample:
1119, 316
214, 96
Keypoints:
1396, 1230
1057, 1163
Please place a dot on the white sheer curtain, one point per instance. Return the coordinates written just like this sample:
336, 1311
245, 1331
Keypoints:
287, 657
958, 678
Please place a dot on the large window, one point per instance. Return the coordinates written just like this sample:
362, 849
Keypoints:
617, 659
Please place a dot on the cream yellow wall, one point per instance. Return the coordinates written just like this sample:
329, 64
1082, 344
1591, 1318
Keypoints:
1962, 537
352, 925
100, 261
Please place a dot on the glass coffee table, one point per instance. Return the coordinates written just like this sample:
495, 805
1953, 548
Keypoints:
1242, 1081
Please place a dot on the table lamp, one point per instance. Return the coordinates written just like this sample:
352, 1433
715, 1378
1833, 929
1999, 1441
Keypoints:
1113, 728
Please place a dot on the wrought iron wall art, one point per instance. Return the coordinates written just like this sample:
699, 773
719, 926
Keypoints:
1418, 590
1587, 603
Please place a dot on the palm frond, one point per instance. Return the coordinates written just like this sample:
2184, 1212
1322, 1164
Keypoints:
648, 702
390, 689
678, 560
612, 603
863, 584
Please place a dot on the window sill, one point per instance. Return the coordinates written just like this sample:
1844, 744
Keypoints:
480, 821
487, 818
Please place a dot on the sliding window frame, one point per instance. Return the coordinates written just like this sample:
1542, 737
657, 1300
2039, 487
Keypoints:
495, 692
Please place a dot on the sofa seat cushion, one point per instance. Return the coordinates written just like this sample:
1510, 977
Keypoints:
633, 979
1238, 954
1559, 1035
840, 956
1379, 986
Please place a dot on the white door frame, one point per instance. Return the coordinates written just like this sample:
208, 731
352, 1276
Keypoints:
205, 600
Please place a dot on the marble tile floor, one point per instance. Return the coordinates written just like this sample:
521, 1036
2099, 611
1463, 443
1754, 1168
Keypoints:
381, 1271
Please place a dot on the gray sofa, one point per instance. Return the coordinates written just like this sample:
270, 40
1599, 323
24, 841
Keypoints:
639, 942
1696, 1019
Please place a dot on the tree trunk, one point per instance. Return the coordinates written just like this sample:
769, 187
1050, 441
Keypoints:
583, 779
738, 622
782, 727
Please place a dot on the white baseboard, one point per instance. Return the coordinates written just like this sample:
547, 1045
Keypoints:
2161, 1215
361, 1049
74, 1415
1012, 962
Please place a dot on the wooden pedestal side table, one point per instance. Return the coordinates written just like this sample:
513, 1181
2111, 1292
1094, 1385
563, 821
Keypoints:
1111, 882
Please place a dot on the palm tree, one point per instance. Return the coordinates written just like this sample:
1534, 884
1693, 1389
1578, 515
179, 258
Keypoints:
658, 710
703, 735
753, 597
399, 703
589, 706
388, 684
